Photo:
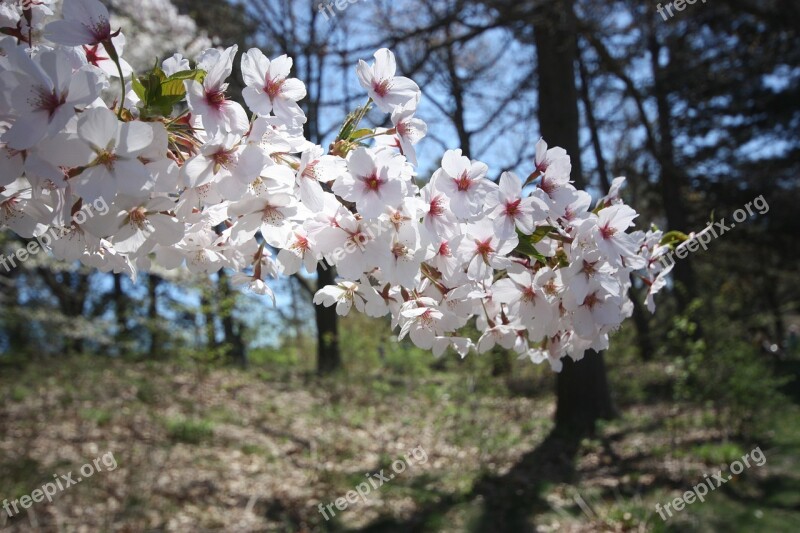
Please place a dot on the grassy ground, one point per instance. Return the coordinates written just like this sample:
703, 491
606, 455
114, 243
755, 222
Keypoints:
225, 450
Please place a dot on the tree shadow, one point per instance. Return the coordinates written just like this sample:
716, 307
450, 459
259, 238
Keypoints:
509, 501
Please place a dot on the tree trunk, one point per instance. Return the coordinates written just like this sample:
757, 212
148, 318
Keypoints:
502, 363
13, 323
237, 351
556, 53
583, 395
121, 312
154, 325
641, 320
671, 177
207, 309
329, 359
582, 390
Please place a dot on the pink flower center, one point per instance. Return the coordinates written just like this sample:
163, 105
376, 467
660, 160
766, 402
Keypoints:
45, 100
463, 182
215, 98
589, 268
436, 208
484, 248
138, 217
607, 231
403, 129
101, 31
93, 56
273, 88
444, 249
426, 319
271, 215
381, 87
10, 206
512, 208
107, 159
551, 288
223, 158
358, 239
310, 171
528, 294
372, 183
591, 300
300, 243
547, 186
399, 250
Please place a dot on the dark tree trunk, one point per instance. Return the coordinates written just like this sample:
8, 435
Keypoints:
71, 290
582, 391
640, 319
237, 351
9, 299
583, 395
121, 311
329, 359
156, 331
671, 177
501, 361
556, 53
207, 309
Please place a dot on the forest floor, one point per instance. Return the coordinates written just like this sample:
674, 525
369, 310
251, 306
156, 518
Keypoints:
229, 450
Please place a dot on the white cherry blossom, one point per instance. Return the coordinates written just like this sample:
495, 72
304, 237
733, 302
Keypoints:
532, 264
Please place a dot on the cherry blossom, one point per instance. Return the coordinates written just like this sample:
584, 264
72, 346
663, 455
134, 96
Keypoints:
373, 181
114, 165
511, 211
464, 183
85, 22
269, 87
409, 130
210, 105
386, 89
201, 184
46, 96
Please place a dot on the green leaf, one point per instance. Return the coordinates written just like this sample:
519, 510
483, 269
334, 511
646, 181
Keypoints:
159, 93
197, 75
673, 238
348, 126
540, 233
525, 247
138, 88
152, 85
164, 104
352, 121
360, 133
173, 88
563, 261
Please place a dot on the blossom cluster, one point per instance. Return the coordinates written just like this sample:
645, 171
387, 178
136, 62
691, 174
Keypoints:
194, 180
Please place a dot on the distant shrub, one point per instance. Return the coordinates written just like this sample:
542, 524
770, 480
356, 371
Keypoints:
189, 431
723, 370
